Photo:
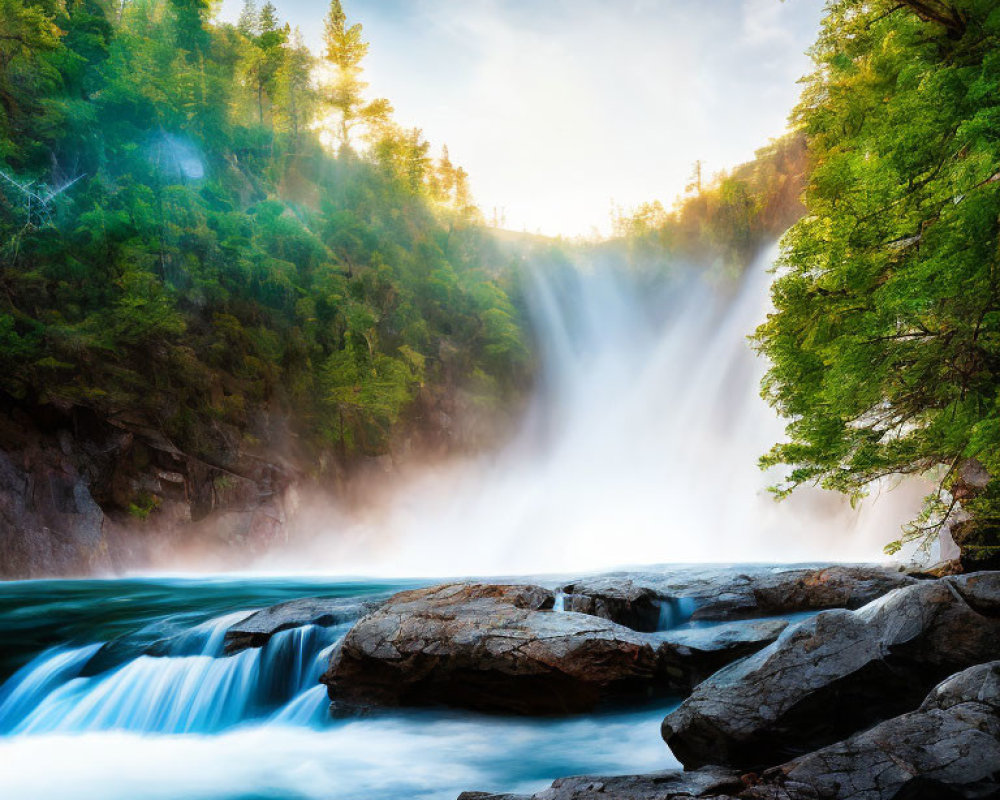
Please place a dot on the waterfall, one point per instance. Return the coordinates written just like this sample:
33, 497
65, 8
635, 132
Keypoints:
641, 447
194, 687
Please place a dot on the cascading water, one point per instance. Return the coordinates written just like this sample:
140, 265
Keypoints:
202, 692
162, 711
642, 448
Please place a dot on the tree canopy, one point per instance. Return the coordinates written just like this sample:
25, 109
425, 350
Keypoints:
177, 245
885, 344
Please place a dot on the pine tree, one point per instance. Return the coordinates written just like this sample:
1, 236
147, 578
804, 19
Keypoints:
344, 94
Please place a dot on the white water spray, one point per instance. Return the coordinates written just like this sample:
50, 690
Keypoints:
642, 448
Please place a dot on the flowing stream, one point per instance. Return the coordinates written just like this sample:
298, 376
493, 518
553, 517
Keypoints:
122, 689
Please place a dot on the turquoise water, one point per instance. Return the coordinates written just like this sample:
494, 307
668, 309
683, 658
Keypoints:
122, 689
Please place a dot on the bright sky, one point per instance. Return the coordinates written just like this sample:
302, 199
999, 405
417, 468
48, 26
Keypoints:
560, 108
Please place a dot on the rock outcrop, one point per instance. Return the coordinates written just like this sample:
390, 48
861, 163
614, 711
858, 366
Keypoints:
488, 647
642, 600
84, 494
504, 648
949, 748
836, 673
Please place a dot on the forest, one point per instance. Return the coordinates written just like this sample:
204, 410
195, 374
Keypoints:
183, 243
208, 230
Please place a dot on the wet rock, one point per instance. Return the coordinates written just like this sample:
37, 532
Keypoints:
709, 782
637, 599
836, 673
503, 648
949, 747
691, 655
258, 628
488, 647
619, 599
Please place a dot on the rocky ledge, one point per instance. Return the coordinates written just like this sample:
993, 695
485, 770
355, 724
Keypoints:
838, 672
505, 648
258, 628
530, 649
647, 601
948, 748
898, 700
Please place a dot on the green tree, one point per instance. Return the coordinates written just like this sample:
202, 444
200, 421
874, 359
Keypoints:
344, 93
885, 344
294, 94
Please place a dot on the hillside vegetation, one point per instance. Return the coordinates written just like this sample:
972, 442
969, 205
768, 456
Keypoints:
198, 235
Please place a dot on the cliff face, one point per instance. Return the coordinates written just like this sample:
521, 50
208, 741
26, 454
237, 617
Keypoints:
80, 494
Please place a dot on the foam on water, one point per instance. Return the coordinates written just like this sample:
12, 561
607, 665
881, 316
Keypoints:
194, 688
193, 723
432, 756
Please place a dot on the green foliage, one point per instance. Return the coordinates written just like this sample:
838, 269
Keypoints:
213, 267
728, 219
885, 347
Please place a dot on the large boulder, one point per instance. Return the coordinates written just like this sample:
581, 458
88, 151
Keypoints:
488, 647
836, 673
505, 648
948, 748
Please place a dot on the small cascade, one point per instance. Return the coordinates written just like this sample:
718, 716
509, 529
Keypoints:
560, 601
191, 686
309, 709
675, 611
37, 679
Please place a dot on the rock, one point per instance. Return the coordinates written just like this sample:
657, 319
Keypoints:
49, 522
619, 599
503, 648
836, 673
258, 628
709, 782
950, 747
691, 655
488, 647
637, 599
84, 492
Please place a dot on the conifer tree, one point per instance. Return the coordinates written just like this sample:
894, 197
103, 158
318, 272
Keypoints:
344, 94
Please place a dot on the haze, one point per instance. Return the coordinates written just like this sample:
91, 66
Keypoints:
561, 109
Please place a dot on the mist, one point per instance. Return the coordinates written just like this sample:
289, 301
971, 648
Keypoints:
640, 446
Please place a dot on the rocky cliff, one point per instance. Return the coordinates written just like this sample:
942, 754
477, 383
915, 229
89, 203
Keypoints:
86, 494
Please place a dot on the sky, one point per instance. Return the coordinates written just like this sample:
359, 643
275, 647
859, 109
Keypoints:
562, 109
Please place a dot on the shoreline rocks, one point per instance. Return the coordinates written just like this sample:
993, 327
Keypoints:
506, 648
489, 648
637, 599
837, 673
947, 748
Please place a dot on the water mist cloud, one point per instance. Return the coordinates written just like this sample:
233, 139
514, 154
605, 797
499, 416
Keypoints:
641, 448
